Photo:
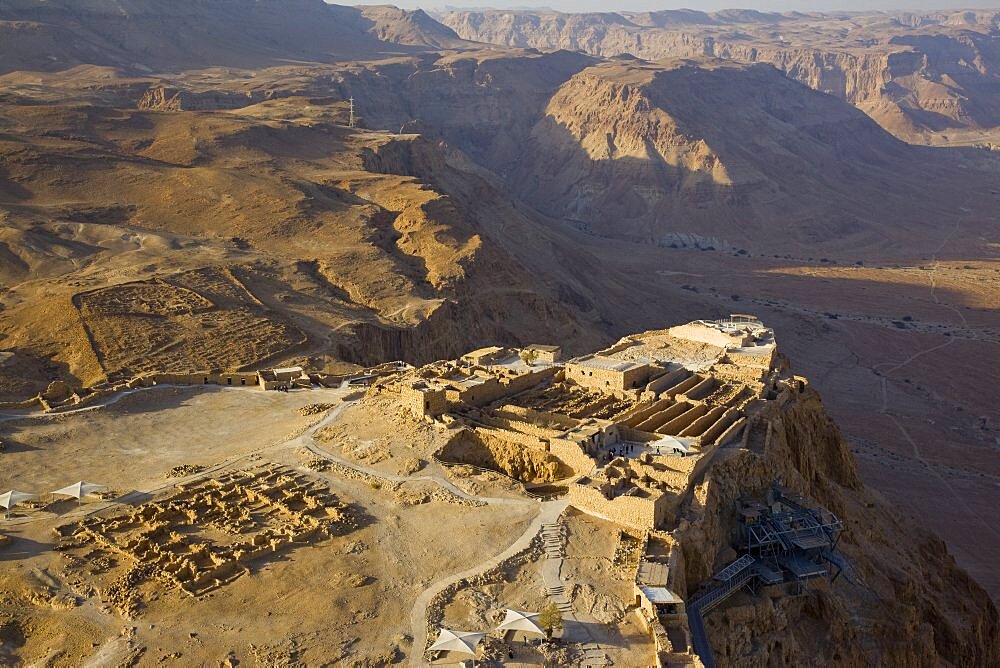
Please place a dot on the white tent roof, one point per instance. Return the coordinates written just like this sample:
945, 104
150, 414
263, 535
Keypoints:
518, 620
680, 444
10, 499
464, 642
80, 489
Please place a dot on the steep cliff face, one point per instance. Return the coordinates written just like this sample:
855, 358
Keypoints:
650, 152
906, 603
912, 74
654, 152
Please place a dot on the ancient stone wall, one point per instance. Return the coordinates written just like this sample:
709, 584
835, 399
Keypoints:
572, 455
720, 426
657, 420
425, 401
763, 359
676, 425
496, 388
629, 511
609, 381
667, 380
683, 386
642, 412
699, 426
205, 534
637, 435
702, 333
564, 422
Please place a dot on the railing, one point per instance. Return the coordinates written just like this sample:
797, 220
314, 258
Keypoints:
734, 568
714, 597
699, 638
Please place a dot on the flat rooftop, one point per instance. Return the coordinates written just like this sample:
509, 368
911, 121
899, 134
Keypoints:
607, 363
652, 573
660, 595
479, 352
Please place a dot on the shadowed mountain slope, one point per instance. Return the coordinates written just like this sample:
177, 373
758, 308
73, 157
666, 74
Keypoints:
180, 190
145, 35
932, 77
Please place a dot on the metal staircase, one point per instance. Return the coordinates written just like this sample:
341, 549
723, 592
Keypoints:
699, 638
731, 579
727, 587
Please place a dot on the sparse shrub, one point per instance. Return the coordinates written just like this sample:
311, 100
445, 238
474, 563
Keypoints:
550, 619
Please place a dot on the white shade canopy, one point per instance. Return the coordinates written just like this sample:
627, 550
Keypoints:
78, 490
518, 620
10, 499
672, 444
463, 642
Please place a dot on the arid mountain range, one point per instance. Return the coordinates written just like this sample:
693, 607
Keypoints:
180, 190
929, 77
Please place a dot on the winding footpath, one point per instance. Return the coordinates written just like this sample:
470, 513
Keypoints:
884, 388
547, 516
549, 513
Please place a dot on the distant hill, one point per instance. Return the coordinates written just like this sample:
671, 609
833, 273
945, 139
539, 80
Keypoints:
921, 76
147, 35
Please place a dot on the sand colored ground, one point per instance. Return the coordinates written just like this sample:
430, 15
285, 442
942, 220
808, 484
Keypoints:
384, 436
78, 605
490, 196
600, 588
133, 443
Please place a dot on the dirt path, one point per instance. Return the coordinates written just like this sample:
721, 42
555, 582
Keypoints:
549, 512
884, 382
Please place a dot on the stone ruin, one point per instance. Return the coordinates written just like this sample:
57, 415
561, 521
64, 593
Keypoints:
206, 534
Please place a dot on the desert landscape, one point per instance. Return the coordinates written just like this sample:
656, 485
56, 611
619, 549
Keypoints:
313, 292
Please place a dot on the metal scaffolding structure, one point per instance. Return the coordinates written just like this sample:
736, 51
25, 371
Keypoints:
786, 539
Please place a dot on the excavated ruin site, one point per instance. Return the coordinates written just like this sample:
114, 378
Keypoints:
402, 500
363, 336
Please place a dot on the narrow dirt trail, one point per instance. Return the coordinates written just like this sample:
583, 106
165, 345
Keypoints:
549, 512
884, 388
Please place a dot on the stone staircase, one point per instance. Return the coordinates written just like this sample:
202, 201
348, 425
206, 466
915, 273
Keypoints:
554, 544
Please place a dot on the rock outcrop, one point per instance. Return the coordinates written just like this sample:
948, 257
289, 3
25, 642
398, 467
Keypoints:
905, 603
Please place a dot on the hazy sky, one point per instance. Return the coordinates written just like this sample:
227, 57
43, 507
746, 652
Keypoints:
706, 5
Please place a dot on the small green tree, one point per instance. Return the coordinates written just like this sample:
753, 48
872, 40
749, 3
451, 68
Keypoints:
550, 619
529, 356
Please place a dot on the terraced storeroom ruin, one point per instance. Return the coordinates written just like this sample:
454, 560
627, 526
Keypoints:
651, 492
367, 336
